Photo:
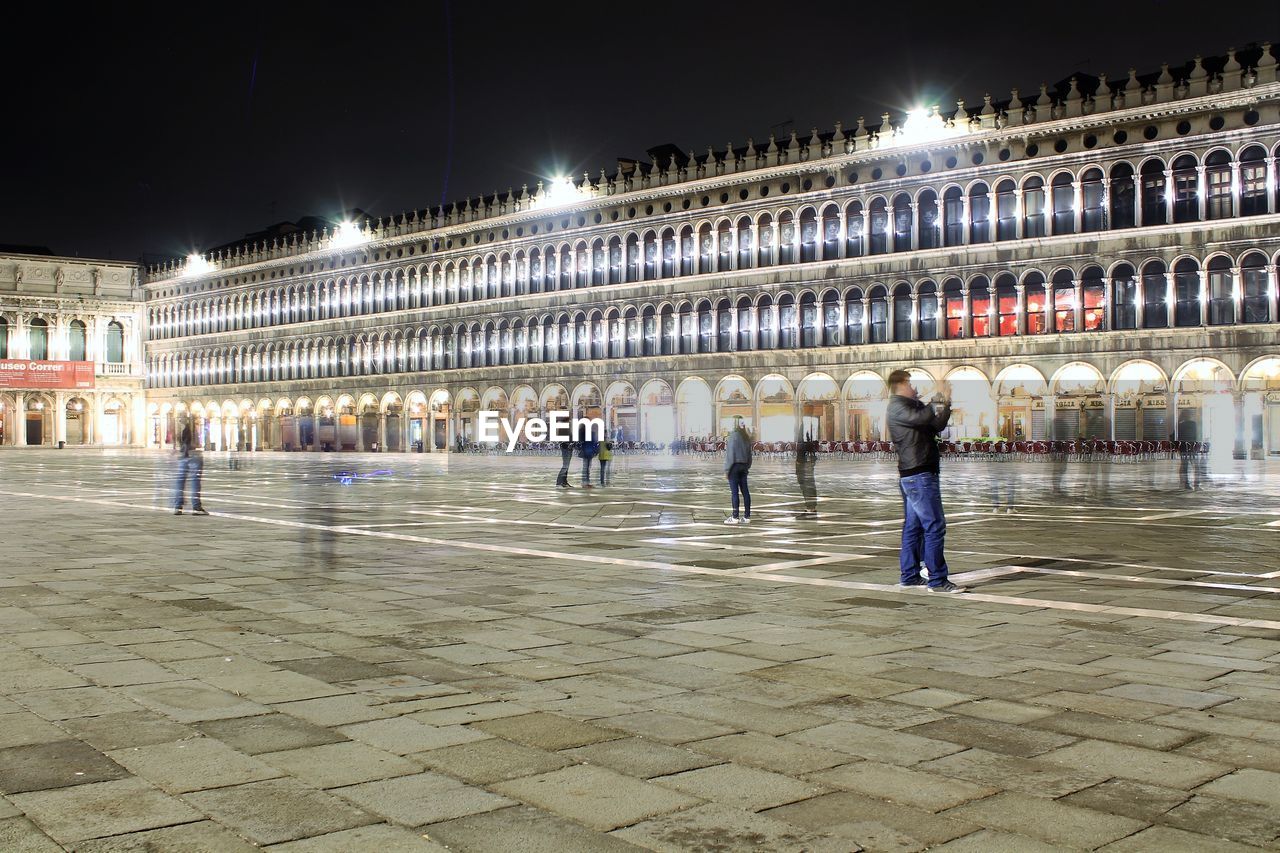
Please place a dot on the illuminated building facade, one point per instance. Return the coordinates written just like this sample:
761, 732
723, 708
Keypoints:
71, 345
1097, 260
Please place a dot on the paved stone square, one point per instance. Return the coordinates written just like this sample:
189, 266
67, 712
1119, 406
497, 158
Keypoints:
448, 653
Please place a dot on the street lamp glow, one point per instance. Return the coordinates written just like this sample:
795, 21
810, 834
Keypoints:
560, 191
346, 235
197, 265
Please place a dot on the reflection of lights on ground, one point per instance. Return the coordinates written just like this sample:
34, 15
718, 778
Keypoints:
346, 478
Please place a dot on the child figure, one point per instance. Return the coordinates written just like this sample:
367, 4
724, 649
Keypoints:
606, 458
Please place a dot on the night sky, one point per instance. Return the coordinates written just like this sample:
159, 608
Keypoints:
161, 130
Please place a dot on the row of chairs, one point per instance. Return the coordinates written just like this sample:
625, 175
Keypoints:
1076, 450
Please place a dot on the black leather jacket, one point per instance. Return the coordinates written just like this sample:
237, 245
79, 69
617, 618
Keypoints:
913, 426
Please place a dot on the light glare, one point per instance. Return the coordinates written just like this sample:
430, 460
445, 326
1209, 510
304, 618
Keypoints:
197, 265
346, 235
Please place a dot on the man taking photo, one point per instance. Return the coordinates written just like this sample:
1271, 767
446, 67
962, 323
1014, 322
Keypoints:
914, 427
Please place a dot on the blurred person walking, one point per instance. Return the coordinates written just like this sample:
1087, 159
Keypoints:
588, 447
606, 459
190, 468
914, 427
737, 462
566, 459
806, 462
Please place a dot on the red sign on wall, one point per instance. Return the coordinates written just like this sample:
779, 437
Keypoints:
18, 373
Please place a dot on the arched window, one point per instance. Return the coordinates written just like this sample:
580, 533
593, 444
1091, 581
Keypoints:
786, 238
902, 223
746, 245
1253, 181
1121, 195
980, 307
1033, 217
787, 321
566, 268
1006, 306
550, 341
687, 251
1155, 296
809, 325
1222, 303
879, 227
38, 340
766, 234
564, 335
927, 301
1217, 180
979, 214
746, 326
724, 332
1257, 299
549, 265
1034, 292
4, 338
1154, 192
685, 326
1186, 201
853, 314
1006, 211
1093, 198
879, 315
1186, 292
1094, 293
765, 315
667, 342
831, 232
77, 340
599, 263
1124, 298
115, 342
706, 325
668, 253
724, 244
853, 229
927, 212
633, 258
953, 308
648, 332
953, 217
706, 250
902, 312
830, 319
582, 338
1064, 302
615, 261
1064, 216
808, 236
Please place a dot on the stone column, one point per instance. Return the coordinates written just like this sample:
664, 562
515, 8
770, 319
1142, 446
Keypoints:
1168, 195
966, 319
1202, 203
964, 219
1237, 295
1018, 223
915, 316
1078, 311
1137, 200
1139, 303
1020, 297
1271, 185
1077, 214
915, 225
1202, 279
1239, 449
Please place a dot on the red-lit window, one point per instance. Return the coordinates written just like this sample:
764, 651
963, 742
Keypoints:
1007, 304
1094, 306
1064, 308
954, 303
1035, 309
980, 311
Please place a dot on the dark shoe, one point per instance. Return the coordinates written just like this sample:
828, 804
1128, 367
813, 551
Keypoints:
947, 586
178, 511
200, 511
909, 584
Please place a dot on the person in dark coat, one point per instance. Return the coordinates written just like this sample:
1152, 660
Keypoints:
914, 427
737, 462
190, 469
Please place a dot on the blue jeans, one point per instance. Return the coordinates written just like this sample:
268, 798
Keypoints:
586, 470
190, 470
924, 528
738, 483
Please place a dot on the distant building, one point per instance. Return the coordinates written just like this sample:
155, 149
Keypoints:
1097, 259
71, 344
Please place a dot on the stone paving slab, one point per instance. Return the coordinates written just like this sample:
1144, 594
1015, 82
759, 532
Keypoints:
600, 682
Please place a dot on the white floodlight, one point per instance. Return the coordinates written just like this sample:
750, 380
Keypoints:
346, 235
197, 265
921, 125
560, 191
